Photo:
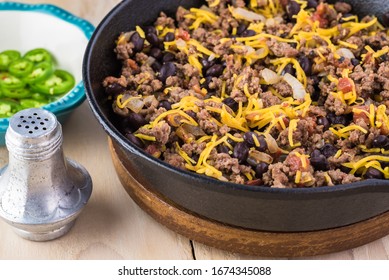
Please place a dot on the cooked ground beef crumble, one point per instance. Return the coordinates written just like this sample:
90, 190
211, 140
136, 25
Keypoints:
280, 93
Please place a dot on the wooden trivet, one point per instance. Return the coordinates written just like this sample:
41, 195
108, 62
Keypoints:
247, 241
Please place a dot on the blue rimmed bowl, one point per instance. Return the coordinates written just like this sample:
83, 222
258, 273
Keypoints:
25, 27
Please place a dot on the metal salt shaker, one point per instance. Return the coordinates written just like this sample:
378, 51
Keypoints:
41, 191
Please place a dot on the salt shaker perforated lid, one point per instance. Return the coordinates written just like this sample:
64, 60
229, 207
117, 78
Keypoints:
41, 191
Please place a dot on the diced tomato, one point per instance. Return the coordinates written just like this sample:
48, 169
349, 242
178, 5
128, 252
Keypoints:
294, 163
132, 63
322, 21
182, 34
357, 116
345, 85
153, 150
321, 9
320, 14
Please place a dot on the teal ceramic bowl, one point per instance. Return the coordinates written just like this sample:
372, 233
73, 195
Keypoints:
26, 27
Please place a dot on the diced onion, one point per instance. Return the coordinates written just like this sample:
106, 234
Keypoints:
125, 37
180, 44
271, 143
345, 53
258, 157
270, 76
135, 104
150, 100
297, 87
270, 22
248, 15
194, 130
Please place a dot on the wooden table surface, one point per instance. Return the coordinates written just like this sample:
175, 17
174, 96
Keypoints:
112, 226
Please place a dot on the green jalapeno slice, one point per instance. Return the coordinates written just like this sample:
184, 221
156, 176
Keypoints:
21, 68
38, 55
7, 57
59, 83
39, 73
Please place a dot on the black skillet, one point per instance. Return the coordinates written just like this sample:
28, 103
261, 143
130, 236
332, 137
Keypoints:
263, 208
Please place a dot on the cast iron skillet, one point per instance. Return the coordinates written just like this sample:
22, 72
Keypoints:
263, 208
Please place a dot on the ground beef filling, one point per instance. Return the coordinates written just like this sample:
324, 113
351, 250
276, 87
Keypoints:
285, 94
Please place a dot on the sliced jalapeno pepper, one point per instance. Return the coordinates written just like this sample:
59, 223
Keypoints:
40, 97
6, 57
21, 68
39, 73
8, 81
8, 107
31, 103
17, 93
38, 56
58, 83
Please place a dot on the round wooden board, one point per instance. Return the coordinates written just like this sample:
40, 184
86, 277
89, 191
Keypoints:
247, 241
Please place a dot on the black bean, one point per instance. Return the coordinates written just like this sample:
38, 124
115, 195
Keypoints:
316, 153
241, 28
262, 144
114, 88
206, 63
355, 62
241, 152
328, 150
136, 120
248, 138
191, 113
384, 164
165, 104
169, 37
168, 69
341, 119
261, 169
324, 122
230, 102
223, 149
206, 83
312, 54
168, 57
315, 95
150, 29
373, 173
319, 163
137, 41
345, 169
135, 140
306, 65
153, 39
341, 59
312, 4
156, 66
248, 33
215, 70
383, 58
381, 141
345, 16
385, 19
210, 94
156, 53
289, 69
195, 157
292, 9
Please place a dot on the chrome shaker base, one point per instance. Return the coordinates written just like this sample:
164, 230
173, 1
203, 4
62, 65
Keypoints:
45, 235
